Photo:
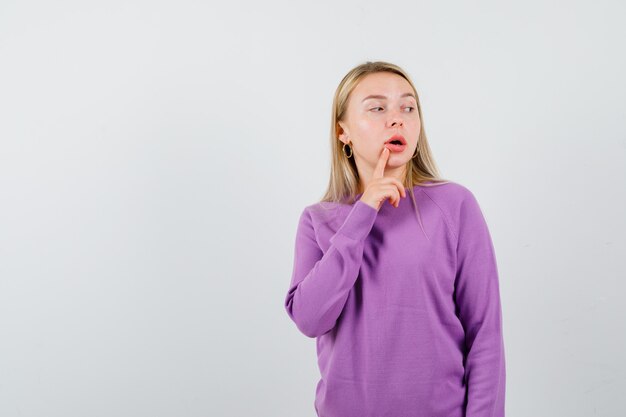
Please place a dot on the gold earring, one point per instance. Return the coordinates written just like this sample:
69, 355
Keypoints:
344, 150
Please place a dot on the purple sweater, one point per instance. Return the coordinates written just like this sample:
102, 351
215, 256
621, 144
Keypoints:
405, 326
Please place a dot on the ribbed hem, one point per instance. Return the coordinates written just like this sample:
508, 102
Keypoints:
359, 221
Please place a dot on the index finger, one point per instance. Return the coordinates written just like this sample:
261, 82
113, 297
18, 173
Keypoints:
379, 170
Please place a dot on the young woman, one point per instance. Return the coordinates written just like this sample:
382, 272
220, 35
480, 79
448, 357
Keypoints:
401, 294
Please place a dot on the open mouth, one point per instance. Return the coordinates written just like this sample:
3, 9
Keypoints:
395, 146
396, 140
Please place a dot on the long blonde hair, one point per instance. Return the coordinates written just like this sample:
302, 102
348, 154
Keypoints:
343, 185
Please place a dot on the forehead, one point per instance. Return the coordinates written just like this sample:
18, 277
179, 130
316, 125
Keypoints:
383, 83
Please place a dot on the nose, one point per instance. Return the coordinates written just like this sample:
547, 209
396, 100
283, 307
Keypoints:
395, 120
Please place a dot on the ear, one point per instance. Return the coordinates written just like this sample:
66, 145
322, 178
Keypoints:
342, 132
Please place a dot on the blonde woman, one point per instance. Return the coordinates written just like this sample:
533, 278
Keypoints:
401, 293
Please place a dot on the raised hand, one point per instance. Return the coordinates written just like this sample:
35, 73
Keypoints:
380, 187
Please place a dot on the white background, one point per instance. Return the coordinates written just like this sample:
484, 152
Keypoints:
155, 157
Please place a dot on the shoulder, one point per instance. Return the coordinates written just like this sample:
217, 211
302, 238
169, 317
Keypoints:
455, 200
323, 212
448, 192
449, 196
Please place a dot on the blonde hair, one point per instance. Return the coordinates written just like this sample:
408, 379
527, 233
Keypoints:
343, 185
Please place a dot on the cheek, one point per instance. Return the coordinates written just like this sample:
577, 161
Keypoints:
368, 128
414, 125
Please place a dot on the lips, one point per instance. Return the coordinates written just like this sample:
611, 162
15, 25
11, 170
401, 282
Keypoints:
396, 143
396, 140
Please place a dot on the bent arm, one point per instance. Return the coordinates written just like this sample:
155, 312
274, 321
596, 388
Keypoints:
321, 282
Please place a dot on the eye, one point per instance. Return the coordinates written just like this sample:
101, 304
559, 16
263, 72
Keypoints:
375, 108
412, 109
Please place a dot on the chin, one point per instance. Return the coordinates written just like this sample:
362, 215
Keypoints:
399, 155
397, 160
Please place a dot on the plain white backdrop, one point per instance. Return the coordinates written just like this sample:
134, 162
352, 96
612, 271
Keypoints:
155, 157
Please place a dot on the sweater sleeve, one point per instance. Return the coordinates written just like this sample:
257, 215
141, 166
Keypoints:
478, 305
321, 282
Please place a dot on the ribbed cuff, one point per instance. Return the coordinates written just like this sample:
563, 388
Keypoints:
359, 221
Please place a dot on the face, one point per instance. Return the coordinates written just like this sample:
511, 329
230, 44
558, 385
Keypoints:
371, 121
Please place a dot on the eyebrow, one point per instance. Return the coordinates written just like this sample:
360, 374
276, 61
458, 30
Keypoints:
385, 97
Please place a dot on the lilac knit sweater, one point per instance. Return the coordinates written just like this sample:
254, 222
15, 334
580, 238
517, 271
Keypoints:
404, 326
